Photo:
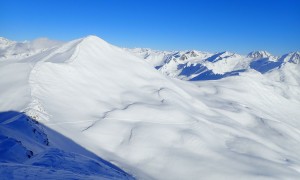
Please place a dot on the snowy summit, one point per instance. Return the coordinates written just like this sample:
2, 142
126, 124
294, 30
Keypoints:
259, 54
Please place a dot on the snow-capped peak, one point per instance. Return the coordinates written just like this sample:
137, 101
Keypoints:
94, 38
193, 53
189, 54
293, 57
259, 54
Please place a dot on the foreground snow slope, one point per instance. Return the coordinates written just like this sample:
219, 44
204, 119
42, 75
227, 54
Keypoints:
120, 108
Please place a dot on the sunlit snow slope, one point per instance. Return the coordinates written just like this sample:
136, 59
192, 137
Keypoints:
120, 108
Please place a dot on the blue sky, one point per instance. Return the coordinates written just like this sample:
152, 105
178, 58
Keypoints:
234, 25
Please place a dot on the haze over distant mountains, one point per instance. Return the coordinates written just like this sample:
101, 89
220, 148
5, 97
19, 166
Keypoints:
87, 109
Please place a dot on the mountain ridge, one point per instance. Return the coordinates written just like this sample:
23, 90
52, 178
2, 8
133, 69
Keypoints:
215, 66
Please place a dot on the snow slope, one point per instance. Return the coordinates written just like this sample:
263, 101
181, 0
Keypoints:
119, 107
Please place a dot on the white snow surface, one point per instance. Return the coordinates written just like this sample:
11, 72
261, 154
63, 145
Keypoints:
117, 106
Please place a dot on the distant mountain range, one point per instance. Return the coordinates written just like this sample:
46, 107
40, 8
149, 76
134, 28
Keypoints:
196, 65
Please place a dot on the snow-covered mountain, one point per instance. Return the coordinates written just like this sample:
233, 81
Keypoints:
195, 65
88, 99
259, 54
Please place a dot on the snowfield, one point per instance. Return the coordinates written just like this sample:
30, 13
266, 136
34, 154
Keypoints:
237, 117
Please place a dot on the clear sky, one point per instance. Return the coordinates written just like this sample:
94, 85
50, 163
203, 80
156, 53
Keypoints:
208, 25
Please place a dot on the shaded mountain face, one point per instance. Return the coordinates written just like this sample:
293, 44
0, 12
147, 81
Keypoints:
27, 152
293, 57
92, 99
195, 65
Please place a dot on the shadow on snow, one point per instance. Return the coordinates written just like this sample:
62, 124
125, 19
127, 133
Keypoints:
27, 152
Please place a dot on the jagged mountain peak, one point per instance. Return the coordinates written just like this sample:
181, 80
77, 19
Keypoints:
189, 54
259, 54
293, 57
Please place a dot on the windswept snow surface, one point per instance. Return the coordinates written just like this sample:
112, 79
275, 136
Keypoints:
120, 108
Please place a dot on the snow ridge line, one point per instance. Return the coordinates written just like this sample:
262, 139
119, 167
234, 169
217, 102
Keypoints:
75, 53
35, 108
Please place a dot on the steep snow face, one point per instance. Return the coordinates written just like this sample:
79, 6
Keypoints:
117, 106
